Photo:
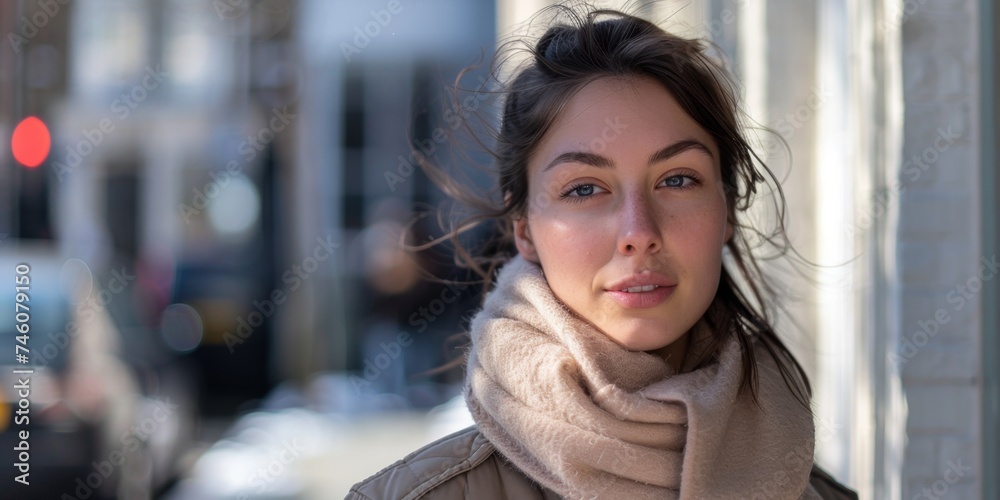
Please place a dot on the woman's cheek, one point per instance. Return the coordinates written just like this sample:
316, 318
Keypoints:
560, 236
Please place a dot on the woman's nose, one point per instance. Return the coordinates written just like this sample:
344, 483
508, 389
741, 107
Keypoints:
639, 232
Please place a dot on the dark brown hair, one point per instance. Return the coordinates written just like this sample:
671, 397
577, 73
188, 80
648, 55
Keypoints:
576, 49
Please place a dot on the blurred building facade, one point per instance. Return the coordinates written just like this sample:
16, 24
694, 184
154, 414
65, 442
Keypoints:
383, 78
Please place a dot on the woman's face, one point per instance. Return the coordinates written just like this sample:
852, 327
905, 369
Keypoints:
627, 214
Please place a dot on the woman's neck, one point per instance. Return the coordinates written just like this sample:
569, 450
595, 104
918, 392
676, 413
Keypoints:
675, 352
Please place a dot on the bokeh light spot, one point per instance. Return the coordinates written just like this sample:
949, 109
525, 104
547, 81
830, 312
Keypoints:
31, 142
181, 327
76, 280
236, 208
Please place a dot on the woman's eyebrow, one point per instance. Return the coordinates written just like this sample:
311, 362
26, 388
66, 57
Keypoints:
599, 161
678, 148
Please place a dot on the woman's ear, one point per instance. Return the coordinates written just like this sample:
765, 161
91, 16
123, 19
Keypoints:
523, 241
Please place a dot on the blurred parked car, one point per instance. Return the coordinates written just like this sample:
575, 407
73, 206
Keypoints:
95, 428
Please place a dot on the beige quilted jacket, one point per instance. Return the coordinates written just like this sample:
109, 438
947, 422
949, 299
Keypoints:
465, 465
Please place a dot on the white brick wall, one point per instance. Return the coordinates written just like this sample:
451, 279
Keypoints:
938, 250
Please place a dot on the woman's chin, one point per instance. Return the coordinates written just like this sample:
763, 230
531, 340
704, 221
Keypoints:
647, 337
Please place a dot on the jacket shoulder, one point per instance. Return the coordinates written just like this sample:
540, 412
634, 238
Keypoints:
427, 468
828, 487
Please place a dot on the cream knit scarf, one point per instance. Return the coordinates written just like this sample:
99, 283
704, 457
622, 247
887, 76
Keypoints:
587, 418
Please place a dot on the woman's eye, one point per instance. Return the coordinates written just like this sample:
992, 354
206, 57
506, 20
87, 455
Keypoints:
679, 181
580, 191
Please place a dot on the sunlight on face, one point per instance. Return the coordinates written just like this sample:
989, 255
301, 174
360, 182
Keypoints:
626, 213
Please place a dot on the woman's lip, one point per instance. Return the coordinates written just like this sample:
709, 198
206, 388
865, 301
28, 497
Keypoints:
641, 300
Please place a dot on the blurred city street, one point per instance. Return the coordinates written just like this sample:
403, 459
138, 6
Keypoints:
297, 453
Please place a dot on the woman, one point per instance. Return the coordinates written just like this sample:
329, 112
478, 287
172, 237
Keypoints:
615, 355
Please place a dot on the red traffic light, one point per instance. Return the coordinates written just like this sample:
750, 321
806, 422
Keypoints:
30, 142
